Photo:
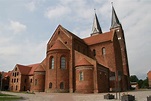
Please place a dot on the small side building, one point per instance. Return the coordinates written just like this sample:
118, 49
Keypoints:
21, 77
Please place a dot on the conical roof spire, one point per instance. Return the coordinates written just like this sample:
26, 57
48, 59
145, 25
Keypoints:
96, 26
114, 21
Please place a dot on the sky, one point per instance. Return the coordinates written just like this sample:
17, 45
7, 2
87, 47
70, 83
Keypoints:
27, 25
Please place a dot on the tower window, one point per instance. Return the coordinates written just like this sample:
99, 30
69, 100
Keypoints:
81, 76
94, 52
52, 63
50, 85
63, 62
103, 51
61, 85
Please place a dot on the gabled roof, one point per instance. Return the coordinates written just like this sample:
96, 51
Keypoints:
39, 69
83, 62
7, 74
58, 45
43, 64
96, 26
33, 67
24, 69
67, 32
108, 36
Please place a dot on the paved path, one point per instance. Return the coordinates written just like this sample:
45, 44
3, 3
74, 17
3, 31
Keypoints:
139, 95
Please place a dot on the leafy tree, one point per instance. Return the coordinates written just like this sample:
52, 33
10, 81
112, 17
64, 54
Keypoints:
145, 83
140, 83
133, 78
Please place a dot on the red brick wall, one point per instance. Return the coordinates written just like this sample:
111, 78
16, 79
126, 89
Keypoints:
38, 81
103, 79
66, 39
14, 85
85, 85
57, 75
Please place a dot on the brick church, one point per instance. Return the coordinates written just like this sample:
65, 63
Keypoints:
91, 65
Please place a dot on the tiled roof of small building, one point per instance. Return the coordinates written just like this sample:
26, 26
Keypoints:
33, 67
7, 74
58, 45
24, 69
83, 62
39, 69
108, 36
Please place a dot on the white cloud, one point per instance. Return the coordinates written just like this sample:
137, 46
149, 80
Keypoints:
56, 12
31, 6
34, 4
17, 27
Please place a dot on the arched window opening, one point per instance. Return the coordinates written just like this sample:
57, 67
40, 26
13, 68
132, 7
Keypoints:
61, 85
52, 63
16, 87
31, 80
103, 51
50, 85
63, 63
94, 52
36, 82
81, 76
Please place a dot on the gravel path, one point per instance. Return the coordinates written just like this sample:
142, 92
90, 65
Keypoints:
140, 95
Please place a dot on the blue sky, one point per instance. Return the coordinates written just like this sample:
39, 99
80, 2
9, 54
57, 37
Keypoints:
27, 25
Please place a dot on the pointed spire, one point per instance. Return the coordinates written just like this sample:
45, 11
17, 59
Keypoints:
114, 21
96, 26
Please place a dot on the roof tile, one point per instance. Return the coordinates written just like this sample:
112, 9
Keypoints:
83, 62
108, 36
58, 45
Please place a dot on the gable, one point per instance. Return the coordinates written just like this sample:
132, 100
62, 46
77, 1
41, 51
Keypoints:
62, 35
24, 70
58, 45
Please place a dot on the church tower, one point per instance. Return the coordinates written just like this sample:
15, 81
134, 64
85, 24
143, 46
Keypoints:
96, 29
117, 27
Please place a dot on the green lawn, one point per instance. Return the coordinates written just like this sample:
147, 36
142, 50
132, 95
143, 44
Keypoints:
7, 97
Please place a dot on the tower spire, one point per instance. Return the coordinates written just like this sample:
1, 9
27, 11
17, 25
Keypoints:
96, 29
114, 21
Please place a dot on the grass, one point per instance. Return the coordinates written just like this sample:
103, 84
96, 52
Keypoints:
1, 94
8, 97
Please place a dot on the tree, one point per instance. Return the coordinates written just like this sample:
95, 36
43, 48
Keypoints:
145, 83
133, 78
140, 83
